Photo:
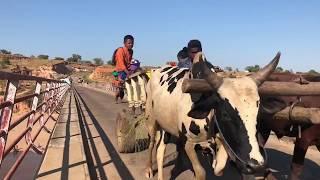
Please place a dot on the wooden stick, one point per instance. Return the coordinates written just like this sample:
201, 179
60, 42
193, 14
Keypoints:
273, 88
289, 89
300, 115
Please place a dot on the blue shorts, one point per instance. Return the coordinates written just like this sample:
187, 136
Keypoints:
122, 75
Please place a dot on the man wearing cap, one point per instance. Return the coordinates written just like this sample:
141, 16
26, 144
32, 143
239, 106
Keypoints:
194, 46
186, 55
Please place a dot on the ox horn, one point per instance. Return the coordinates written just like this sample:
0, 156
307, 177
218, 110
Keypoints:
262, 75
200, 63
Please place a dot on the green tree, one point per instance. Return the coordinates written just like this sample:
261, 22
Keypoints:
228, 68
254, 68
3, 51
74, 58
110, 62
86, 62
43, 56
58, 58
313, 72
98, 61
279, 69
4, 63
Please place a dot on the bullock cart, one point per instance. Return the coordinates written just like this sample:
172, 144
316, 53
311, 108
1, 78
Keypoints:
131, 130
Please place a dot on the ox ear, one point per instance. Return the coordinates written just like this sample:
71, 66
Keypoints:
202, 108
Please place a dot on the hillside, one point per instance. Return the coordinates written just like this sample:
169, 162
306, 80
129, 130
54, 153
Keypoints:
102, 73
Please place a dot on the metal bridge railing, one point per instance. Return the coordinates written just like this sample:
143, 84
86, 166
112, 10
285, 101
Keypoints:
51, 92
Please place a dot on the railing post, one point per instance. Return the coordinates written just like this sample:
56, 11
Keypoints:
28, 136
44, 106
63, 90
57, 92
51, 97
6, 114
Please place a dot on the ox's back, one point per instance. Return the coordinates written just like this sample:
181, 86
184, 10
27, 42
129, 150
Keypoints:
167, 103
164, 96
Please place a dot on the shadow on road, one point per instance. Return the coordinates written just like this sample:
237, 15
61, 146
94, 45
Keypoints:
281, 162
278, 160
122, 169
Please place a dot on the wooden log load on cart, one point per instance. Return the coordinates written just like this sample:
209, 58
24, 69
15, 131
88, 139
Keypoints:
297, 115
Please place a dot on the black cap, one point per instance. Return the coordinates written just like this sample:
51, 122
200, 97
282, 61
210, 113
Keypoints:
194, 44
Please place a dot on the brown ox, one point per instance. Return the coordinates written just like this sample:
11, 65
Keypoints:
309, 134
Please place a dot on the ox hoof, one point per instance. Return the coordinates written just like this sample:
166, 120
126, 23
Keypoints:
149, 173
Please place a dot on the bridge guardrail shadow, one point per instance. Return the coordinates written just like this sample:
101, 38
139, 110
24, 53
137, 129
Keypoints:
92, 132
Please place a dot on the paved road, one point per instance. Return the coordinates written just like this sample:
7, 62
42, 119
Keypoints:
100, 114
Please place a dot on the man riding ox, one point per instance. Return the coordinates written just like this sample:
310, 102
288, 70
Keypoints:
194, 118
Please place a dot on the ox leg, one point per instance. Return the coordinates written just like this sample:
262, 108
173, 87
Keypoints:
300, 149
192, 155
299, 153
221, 158
151, 125
160, 155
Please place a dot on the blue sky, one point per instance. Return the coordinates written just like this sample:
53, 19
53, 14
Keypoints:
233, 33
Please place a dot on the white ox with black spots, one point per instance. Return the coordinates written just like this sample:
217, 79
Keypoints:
189, 117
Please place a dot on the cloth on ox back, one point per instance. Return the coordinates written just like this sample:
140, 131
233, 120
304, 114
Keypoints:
135, 86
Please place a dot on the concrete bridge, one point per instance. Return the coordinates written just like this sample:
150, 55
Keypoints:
75, 138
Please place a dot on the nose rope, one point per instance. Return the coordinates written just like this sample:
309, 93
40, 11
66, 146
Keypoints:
290, 115
230, 151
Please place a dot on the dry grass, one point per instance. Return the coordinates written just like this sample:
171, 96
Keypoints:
2, 86
33, 64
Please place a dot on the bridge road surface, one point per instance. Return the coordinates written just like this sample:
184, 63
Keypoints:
100, 113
